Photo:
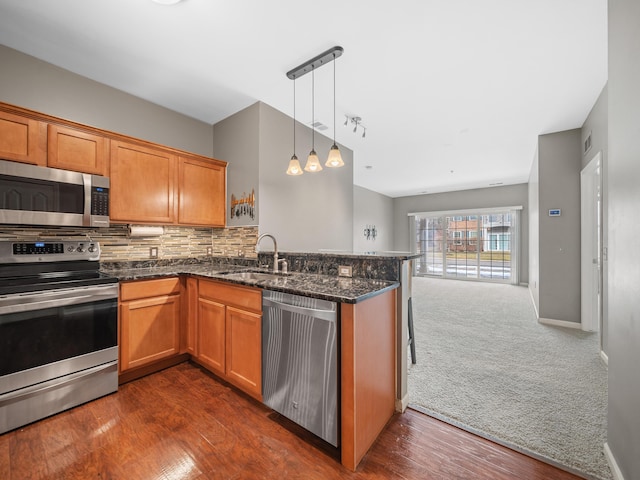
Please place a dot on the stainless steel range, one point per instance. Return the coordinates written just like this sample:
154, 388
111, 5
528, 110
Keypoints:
58, 329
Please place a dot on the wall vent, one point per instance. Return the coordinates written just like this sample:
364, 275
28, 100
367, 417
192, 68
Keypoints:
587, 143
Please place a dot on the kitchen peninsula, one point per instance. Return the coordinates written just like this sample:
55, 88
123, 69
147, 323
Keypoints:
367, 306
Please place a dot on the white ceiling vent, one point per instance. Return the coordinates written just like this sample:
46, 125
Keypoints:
319, 126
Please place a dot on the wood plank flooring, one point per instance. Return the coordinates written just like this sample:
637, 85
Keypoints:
182, 423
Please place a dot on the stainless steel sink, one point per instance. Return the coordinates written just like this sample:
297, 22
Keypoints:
257, 276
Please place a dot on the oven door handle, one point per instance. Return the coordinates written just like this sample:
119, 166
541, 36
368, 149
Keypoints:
56, 298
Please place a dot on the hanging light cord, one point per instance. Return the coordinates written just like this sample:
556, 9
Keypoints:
334, 98
313, 115
294, 116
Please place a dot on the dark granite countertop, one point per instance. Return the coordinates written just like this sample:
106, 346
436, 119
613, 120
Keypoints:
326, 287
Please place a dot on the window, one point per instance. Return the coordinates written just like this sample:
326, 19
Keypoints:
479, 246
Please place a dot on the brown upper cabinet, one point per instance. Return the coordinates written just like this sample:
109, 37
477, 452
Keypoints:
23, 139
150, 183
142, 184
202, 192
72, 149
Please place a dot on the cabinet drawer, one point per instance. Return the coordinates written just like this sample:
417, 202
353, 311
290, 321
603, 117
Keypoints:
247, 298
149, 288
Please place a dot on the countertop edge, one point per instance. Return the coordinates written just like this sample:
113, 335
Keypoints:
137, 274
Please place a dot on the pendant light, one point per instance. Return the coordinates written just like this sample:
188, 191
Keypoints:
335, 159
294, 164
313, 163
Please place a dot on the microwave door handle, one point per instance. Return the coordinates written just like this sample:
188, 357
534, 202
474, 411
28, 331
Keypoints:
86, 213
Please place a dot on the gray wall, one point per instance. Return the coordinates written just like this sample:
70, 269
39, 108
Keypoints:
597, 124
236, 140
308, 212
623, 435
305, 213
28, 82
372, 208
559, 165
506, 196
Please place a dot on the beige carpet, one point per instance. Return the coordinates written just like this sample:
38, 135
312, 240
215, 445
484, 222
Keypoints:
487, 365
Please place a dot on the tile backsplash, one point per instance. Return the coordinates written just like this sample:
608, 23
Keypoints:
175, 242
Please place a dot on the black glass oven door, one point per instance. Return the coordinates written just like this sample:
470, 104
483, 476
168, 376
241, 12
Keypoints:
42, 328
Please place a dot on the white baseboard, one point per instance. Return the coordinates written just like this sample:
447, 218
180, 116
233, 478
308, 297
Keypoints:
613, 465
402, 403
604, 357
559, 323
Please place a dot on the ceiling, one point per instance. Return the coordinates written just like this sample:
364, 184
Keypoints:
453, 93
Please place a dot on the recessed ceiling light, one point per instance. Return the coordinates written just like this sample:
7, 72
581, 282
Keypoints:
166, 2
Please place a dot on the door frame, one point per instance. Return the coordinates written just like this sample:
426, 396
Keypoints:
591, 246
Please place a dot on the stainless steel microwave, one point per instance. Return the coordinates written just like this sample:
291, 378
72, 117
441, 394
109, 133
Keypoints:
31, 195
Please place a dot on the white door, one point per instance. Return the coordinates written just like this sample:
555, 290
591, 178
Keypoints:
590, 245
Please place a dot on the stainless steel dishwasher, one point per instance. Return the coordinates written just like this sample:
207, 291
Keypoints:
300, 361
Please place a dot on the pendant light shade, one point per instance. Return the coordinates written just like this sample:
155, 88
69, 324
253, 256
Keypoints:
313, 163
294, 166
335, 158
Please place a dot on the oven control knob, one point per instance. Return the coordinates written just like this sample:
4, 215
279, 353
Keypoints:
70, 248
91, 249
80, 249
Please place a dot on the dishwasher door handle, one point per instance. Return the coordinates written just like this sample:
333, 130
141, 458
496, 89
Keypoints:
329, 315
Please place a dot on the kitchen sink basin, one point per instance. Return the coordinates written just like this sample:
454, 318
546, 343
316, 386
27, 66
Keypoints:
256, 276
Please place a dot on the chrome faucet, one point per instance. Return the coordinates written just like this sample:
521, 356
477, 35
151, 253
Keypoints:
275, 249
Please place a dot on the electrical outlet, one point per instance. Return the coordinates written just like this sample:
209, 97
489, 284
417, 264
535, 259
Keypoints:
344, 271
153, 252
209, 251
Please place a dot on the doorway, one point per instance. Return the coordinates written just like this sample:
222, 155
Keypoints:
591, 246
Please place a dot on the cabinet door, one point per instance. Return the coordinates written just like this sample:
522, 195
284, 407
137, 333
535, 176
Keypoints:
211, 335
191, 318
23, 139
150, 330
142, 184
244, 350
75, 150
202, 197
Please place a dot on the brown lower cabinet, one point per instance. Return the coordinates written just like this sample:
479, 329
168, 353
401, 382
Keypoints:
149, 322
229, 333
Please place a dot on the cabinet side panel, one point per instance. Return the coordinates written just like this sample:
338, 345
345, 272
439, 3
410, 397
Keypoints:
368, 373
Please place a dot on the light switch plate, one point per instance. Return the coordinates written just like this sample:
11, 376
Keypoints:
209, 251
153, 252
344, 271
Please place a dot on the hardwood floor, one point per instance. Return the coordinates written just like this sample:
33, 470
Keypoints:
184, 424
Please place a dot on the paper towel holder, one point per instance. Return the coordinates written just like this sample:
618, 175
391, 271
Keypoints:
145, 230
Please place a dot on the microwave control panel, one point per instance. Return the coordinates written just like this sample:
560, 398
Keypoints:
100, 201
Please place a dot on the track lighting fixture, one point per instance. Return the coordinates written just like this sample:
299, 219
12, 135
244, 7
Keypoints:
357, 122
335, 158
